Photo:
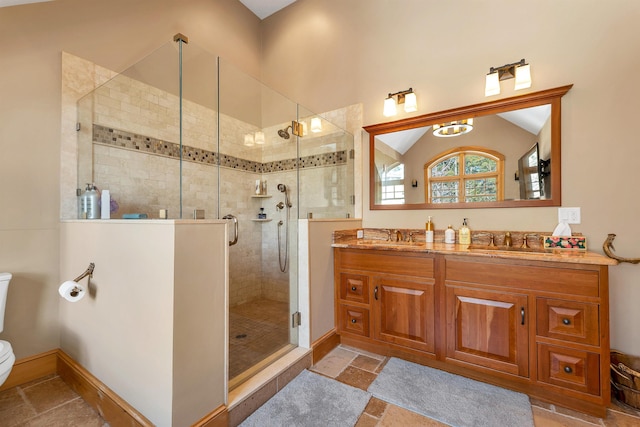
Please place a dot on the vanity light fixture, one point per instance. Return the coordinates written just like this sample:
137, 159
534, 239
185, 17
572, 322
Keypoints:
520, 70
406, 97
454, 128
316, 125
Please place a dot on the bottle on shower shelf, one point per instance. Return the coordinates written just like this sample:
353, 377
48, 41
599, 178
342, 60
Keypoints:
262, 214
89, 203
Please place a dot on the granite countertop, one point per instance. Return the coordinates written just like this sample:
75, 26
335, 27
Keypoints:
377, 240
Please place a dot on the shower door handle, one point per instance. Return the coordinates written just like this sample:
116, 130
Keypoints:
235, 228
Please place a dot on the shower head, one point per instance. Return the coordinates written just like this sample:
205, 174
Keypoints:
283, 189
283, 133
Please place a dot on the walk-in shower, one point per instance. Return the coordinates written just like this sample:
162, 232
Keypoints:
191, 146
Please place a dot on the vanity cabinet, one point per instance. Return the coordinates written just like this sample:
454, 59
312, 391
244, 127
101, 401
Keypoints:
539, 327
488, 328
386, 297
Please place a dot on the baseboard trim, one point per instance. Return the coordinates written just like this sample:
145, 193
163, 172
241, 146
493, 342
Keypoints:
31, 368
115, 410
217, 418
323, 345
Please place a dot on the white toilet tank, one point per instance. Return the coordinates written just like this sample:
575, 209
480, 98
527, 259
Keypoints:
5, 278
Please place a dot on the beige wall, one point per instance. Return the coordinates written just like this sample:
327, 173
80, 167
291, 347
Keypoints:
152, 326
327, 54
114, 34
360, 50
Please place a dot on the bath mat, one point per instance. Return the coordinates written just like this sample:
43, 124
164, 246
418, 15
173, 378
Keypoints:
311, 400
449, 398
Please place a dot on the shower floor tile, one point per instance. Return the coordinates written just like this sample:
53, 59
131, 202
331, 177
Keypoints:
257, 329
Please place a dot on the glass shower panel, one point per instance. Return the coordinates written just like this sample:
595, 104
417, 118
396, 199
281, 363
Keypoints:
129, 137
199, 173
259, 186
326, 166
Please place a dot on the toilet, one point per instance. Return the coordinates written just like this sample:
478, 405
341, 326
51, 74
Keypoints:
7, 358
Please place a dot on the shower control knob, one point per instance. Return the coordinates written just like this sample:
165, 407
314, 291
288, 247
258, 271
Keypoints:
280, 205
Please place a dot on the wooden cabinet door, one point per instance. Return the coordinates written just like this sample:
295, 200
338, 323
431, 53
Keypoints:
404, 312
488, 328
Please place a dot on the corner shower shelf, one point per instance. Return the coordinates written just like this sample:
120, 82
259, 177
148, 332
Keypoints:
260, 220
261, 196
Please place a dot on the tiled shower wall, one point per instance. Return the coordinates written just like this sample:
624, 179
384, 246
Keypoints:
133, 147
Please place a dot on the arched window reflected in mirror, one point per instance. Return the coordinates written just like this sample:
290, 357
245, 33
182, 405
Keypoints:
465, 174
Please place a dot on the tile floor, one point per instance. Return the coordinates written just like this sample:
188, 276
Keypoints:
50, 402
359, 368
257, 329
46, 402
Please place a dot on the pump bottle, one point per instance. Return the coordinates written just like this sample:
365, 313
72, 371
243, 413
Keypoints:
464, 234
429, 231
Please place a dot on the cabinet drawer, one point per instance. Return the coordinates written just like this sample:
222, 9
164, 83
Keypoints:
354, 320
569, 281
391, 262
569, 368
568, 320
354, 287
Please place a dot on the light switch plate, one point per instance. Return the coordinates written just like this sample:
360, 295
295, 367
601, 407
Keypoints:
569, 215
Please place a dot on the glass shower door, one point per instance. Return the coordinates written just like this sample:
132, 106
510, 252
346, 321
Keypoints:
259, 186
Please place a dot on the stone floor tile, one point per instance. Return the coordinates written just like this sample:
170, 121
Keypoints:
335, 362
76, 413
620, 419
397, 417
356, 377
544, 418
375, 407
366, 363
366, 420
48, 394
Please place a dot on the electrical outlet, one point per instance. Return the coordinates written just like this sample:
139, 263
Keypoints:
359, 234
569, 215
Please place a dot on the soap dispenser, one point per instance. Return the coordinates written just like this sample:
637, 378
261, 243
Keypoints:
449, 235
429, 231
464, 234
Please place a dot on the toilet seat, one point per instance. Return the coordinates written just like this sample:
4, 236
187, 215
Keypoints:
5, 351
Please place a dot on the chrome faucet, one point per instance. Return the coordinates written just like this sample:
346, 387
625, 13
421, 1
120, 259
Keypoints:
388, 235
398, 235
411, 238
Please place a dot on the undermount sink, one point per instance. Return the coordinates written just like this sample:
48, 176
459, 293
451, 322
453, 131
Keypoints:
506, 248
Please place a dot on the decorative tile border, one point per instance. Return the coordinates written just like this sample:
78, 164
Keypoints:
131, 141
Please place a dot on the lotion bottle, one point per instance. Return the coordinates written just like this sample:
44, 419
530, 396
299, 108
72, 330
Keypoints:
449, 235
464, 234
429, 231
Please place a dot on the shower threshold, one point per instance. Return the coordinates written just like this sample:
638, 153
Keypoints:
258, 367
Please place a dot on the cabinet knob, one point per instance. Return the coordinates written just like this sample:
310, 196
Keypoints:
353, 320
353, 288
566, 321
568, 369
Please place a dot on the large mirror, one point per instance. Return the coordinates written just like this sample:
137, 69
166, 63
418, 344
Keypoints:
503, 153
